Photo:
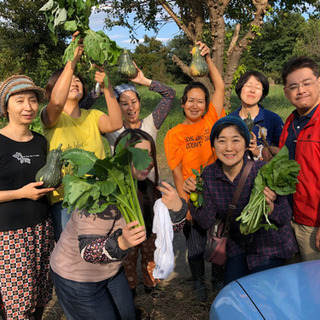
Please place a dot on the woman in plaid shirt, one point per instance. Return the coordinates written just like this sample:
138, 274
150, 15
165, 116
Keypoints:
263, 249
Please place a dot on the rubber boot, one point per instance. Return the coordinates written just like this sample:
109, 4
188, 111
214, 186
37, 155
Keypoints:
197, 269
217, 277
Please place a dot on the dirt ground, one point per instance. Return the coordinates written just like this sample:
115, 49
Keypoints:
177, 301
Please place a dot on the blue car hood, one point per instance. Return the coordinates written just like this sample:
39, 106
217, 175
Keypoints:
289, 292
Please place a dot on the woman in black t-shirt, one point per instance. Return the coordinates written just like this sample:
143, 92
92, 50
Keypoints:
26, 235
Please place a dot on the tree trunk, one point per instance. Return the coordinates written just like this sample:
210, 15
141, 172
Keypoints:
226, 62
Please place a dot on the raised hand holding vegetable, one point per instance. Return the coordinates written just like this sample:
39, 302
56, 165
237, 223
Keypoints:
74, 16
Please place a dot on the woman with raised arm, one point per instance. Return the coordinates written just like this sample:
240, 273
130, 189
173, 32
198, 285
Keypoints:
130, 103
64, 122
187, 147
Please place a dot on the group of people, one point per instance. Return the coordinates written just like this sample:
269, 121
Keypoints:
91, 260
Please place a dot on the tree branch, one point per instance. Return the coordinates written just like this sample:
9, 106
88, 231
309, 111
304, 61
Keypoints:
178, 21
234, 39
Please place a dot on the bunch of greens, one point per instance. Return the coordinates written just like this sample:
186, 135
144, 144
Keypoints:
74, 15
196, 197
93, 184
280, 175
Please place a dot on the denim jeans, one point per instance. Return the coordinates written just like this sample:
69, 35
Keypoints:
60, 218
110, 299
237, 267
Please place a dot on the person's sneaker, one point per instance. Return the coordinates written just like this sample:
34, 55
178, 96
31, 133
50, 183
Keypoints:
199, 291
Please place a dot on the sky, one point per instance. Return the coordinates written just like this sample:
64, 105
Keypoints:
121, 35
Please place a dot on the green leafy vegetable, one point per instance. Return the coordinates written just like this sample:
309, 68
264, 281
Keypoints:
74, 15
94, 183
280, 175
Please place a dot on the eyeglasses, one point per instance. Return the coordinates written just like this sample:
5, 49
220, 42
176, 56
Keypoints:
304, 84
250, 86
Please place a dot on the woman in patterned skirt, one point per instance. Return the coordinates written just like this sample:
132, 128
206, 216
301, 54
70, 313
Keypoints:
26, 235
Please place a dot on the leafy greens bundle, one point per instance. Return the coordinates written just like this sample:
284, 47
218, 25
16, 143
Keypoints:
74, 15
280, 175
94, 184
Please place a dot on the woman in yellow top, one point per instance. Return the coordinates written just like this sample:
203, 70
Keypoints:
187, 147
64, 122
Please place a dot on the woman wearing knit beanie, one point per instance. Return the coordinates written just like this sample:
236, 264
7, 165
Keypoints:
246, 254
26, 234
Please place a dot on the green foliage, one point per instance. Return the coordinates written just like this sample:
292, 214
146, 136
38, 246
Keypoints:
45, 65
275, 45
151, 57
72, 14
308, 42
23, 39
94, 183
280, 175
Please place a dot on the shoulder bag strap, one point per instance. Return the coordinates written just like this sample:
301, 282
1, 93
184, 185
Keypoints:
236, 195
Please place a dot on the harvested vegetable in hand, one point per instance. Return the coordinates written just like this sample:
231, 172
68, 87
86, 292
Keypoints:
249, 123
51, 173
74, 15
280, 175
94, 183
196, 197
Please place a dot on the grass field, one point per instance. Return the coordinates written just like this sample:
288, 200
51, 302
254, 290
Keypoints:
275, 101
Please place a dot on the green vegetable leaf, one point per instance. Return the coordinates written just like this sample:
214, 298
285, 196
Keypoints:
81, 160
48, 6
71, 26
195, 172
69, 52
140, 158
96, 183
280, 175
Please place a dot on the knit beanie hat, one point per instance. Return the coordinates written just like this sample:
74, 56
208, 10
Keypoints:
119, 90
16, 84
230, 120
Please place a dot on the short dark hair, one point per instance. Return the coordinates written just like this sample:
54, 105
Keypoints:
135, 136
296, 63
259, 76
195, 85
53, 80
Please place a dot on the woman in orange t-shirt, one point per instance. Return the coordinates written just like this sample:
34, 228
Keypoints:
187, 147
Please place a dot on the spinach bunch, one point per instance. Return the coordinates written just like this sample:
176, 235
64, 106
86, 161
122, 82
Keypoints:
93, 184
280, 175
